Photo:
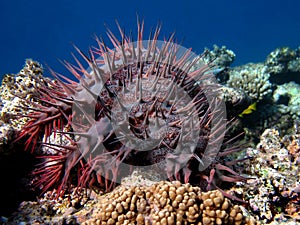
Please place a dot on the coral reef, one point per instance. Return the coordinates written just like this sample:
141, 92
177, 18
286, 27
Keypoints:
52, 208
268, 116
19, 91
281, 111
274, 193
278, 60
236, 100
288, 94
7, 135
284, 64
25, 83
55, 119
273, 86
160, 203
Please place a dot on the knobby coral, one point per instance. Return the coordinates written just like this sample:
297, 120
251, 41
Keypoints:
164, 203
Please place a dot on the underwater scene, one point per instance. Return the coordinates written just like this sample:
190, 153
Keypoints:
150, 113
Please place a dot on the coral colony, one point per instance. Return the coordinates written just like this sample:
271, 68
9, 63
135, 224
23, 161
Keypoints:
148, 104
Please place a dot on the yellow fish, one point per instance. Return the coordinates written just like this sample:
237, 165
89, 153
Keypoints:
251, 108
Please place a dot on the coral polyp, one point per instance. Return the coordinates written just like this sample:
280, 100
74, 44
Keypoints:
152, 105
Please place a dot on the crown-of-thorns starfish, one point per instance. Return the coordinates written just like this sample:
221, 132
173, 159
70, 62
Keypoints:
149, 104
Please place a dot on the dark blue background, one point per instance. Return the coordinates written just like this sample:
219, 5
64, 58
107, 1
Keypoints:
44, 30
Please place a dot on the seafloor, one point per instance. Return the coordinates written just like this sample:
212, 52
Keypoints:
264, 96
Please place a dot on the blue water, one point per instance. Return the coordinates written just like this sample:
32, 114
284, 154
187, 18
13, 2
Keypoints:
44, 30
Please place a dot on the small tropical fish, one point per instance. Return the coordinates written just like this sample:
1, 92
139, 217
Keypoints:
249, 110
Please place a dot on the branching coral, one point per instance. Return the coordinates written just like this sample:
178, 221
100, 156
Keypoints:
253, 79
